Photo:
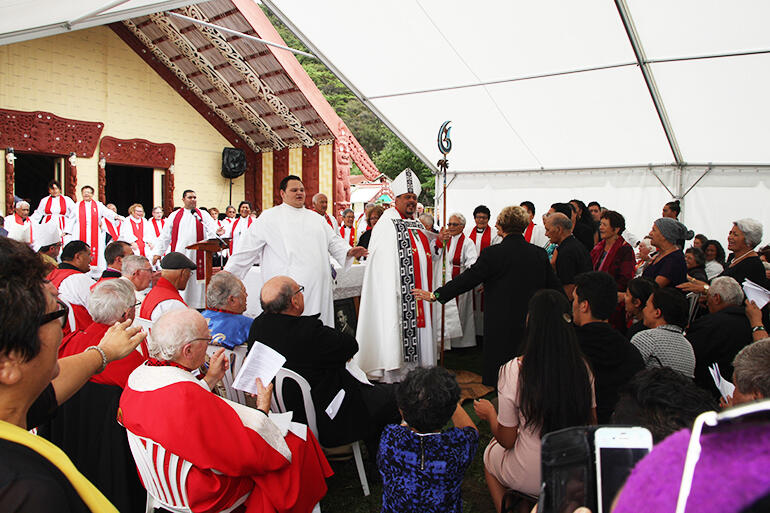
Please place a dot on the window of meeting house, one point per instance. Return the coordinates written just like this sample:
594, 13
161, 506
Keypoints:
32, 172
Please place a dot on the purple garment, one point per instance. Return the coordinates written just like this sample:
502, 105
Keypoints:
672, 266
732, 473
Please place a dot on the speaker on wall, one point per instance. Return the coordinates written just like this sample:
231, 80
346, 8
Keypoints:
233, 162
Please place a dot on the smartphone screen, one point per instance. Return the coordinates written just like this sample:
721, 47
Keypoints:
615, 464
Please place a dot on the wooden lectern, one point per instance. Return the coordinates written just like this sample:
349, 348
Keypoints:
209, 247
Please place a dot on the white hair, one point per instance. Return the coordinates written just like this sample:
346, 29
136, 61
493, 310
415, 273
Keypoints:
318, 195
110, 299
169, 335
728, 289
131, 264
222, 286
752, 230
459, 216
22, 203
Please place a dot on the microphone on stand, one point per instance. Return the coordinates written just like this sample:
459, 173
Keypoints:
198, 217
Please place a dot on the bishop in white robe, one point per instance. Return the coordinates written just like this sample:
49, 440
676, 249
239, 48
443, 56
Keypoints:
184, 227
395, 332
459, 254
290, 240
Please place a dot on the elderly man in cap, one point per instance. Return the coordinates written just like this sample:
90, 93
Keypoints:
18, 224
164, 296
395, 332
225, 303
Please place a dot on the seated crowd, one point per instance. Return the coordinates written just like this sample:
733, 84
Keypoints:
626, 332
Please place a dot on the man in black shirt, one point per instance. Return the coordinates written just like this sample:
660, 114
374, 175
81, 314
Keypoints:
570, 257
613, 359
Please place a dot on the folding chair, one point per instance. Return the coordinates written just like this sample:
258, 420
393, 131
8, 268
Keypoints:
236, 357
159, 469
278, 405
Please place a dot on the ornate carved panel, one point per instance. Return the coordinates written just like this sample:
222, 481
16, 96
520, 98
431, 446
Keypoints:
44, 132
280, 171
136, 152
9, 158
310, 173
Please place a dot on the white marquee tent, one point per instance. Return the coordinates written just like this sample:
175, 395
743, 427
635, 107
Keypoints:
627, 102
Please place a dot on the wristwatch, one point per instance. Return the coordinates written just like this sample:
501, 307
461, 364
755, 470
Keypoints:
754, 329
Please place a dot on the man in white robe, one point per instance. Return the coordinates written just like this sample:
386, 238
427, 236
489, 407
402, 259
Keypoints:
184, 227
239, 226
347, 230
88, 217
534, 233
482, 236
459, 254
395, 332
361, 225
19, 225
138, 231
320, 205
293, 241
56, 206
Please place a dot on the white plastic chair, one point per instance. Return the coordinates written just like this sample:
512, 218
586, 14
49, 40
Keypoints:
278, 405
236, 357
160, 480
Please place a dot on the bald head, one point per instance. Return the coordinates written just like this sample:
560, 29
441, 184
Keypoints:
282, 295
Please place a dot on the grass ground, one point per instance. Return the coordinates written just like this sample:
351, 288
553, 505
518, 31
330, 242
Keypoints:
345, 494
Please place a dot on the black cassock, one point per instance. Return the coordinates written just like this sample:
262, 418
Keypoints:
511, 273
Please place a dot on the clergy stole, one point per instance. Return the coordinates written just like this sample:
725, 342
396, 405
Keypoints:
527, 232
329, 220
111, 230
486, 238
62, 210
156, 227
93, 238
232, 231
412, 311
352, 237
138, 229
200, 259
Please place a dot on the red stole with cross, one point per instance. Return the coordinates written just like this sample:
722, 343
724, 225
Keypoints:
200, 261
232, 232
93, 240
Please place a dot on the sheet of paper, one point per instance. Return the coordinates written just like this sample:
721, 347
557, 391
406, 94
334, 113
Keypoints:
760, 295
357, 373
334, 406
282, 420
725, 387
262, 362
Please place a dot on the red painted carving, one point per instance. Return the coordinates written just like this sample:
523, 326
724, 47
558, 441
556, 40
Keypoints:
341, 182
280, 171
168, 197
310, 173
252, 183
44, 132
70, 178
137, 152
361, 158
102, 183
8, 183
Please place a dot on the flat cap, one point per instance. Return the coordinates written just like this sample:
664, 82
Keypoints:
176, 260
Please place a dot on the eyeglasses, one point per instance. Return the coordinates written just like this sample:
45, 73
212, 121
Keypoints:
300, 289
61, 313
453, 224
207, 339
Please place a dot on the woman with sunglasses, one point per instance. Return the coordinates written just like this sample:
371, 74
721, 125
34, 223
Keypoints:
35, 474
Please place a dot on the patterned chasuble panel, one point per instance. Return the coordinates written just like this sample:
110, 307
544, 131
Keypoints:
408, 302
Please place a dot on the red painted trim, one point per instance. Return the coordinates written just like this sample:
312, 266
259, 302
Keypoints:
137, 152
9, 206
280, 171
70, 179
44, 132
252, 181
310, 169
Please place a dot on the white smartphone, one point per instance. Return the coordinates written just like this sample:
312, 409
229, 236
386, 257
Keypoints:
618, 449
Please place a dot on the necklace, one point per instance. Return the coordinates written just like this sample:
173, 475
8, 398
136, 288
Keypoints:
738, 259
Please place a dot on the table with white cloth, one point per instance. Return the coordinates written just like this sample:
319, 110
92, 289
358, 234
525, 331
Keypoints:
347, 284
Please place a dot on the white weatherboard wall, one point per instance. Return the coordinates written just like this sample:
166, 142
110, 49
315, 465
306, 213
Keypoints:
721, 197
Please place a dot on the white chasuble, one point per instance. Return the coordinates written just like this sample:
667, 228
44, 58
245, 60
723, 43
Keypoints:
395, 332
294, 242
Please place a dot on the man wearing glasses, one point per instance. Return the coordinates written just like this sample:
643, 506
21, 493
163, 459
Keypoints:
164, 296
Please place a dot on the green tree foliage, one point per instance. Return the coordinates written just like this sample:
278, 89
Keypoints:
390, 155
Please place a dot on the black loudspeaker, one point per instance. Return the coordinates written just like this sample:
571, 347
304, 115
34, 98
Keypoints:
233, 162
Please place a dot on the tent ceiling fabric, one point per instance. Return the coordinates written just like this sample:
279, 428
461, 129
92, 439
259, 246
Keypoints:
407, 59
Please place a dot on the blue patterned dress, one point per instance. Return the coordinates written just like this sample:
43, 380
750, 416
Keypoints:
423, 473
